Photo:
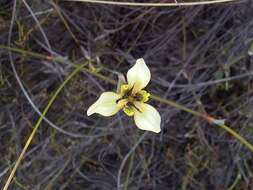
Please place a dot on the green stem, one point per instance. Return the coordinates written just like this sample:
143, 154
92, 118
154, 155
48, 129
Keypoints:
28, 142
155, 97
237, 179
208, 118
237, 136
176, 105
129, 171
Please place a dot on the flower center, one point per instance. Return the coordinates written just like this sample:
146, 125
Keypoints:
128, 99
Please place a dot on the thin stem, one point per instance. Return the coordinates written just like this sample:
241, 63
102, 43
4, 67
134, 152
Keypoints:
208, 118
152, 4
29, 140
237, 136
155, 97
32, 54
176, 105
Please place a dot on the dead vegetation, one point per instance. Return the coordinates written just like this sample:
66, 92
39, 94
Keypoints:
198, 57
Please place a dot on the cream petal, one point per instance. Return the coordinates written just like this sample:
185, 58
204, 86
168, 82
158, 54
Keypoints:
147, 118
105, 105
139, 75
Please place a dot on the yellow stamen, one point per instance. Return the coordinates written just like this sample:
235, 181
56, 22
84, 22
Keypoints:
129, 98
124, 89
143, 96
128, 110
122, 103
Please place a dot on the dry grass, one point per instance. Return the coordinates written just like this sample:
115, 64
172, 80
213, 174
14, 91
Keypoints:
198, 57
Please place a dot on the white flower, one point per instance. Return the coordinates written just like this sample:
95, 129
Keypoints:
131, 99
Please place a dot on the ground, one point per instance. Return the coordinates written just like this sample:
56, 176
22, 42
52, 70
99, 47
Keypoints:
199, 56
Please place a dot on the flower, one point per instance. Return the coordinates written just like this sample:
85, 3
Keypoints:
131, 99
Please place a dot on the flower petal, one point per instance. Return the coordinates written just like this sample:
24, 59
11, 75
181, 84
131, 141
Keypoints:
147, 118
105, 105
138, 76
